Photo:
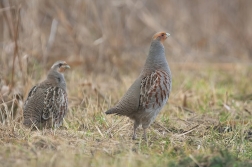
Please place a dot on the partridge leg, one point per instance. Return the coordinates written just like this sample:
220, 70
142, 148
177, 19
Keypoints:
145, 125
144, 135
136, 124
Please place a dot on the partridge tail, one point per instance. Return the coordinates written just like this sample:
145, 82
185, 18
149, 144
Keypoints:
112, 111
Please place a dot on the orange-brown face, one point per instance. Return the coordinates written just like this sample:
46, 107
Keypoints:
62, 66
161, 36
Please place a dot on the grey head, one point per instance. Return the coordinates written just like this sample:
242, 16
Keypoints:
56, 74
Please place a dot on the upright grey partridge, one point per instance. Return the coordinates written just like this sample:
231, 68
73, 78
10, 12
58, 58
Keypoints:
150, 91
47, 102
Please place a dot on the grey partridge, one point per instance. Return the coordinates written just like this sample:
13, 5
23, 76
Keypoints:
150, 91
47, 103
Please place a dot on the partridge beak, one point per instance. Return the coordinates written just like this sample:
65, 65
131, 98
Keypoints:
66, 66
63, 68
167, 34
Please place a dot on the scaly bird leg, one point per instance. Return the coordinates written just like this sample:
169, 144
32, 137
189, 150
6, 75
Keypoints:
144, 135
136, 124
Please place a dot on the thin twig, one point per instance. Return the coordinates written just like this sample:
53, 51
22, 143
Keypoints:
194, 160
51, 38
246, 110
8, 17
167, 130
185, 109
189, 131
99, 131
15, 54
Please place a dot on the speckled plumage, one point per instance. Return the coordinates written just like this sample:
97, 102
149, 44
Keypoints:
47, 102
150, 91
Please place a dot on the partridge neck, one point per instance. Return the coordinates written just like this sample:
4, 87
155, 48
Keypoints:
56, 79
156, 58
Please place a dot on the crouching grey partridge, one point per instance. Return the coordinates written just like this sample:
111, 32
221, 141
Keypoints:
150, 91
47, 102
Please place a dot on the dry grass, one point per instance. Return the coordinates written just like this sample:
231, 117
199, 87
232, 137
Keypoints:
207, 121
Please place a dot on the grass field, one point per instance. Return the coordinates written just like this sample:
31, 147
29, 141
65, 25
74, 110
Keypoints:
207, 122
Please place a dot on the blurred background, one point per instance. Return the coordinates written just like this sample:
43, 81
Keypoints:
112, 37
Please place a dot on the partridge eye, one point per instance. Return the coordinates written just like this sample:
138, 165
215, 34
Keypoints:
60, 64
